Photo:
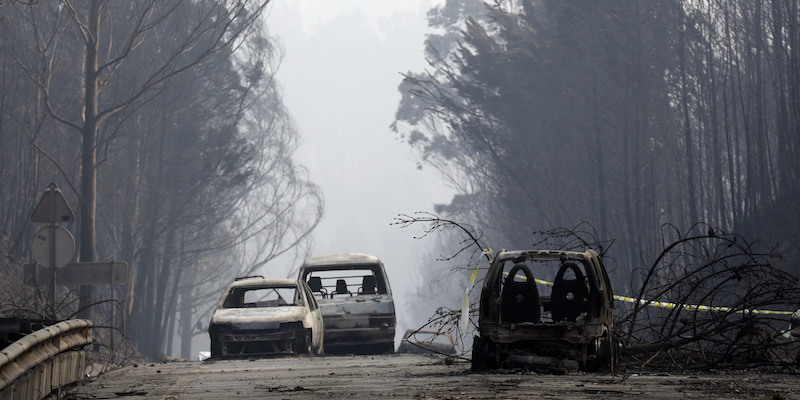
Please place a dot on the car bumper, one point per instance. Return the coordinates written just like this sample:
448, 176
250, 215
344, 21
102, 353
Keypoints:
260, 343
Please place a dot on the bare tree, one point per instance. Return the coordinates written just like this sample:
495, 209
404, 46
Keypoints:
172, 138
213, 27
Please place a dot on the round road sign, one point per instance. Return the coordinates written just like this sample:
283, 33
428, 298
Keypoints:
41, 246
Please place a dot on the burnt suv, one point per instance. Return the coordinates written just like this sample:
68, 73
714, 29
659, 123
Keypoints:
356, 302
568, 326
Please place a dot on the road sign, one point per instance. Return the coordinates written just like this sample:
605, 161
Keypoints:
93, 273
86, 273
42, 248
52, 207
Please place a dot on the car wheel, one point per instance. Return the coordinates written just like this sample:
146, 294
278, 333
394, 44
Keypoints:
302, 343
609, 351
387, 348
594, 357
482, 354
216, 347
604, 353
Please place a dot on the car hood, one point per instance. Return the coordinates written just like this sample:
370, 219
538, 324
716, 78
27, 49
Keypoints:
253, 318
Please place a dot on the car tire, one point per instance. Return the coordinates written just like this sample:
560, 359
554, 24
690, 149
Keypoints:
216, 347
387, 348
302, 343
482, 354
605, 356
609, 351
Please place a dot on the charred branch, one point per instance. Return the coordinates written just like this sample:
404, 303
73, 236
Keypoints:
710, 301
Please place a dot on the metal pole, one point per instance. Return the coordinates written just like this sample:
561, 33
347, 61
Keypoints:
113, 310
51, 193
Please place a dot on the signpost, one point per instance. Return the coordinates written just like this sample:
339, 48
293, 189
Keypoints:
52, 207
89, 273
53, 247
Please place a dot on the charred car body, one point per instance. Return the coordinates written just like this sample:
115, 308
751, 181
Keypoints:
261, 317
356, 302
568, 327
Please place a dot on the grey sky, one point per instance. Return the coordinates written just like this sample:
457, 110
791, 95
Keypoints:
340, 74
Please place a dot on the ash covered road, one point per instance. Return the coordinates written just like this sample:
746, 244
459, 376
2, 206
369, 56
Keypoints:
409, 376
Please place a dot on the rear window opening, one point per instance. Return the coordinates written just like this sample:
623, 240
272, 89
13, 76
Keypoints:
260, 297
346, 282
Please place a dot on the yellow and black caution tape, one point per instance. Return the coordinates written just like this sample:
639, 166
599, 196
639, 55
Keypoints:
685, 307
697, 307
524, 278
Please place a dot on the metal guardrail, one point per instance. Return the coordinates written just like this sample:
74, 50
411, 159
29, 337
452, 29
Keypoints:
32, 367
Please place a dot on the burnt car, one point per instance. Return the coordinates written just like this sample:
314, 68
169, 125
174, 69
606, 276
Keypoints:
261, 317
356, 302
567, 326
427, 341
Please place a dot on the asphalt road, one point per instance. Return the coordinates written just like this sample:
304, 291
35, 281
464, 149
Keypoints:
410, 377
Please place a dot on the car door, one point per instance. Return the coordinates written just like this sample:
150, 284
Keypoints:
318, 334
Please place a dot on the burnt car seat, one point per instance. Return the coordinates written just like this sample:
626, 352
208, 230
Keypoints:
519, 301
367, 285
315, 283
569, 297
341, 288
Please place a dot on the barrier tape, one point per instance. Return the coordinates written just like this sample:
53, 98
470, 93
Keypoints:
685, 307
697, 307
465, 300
